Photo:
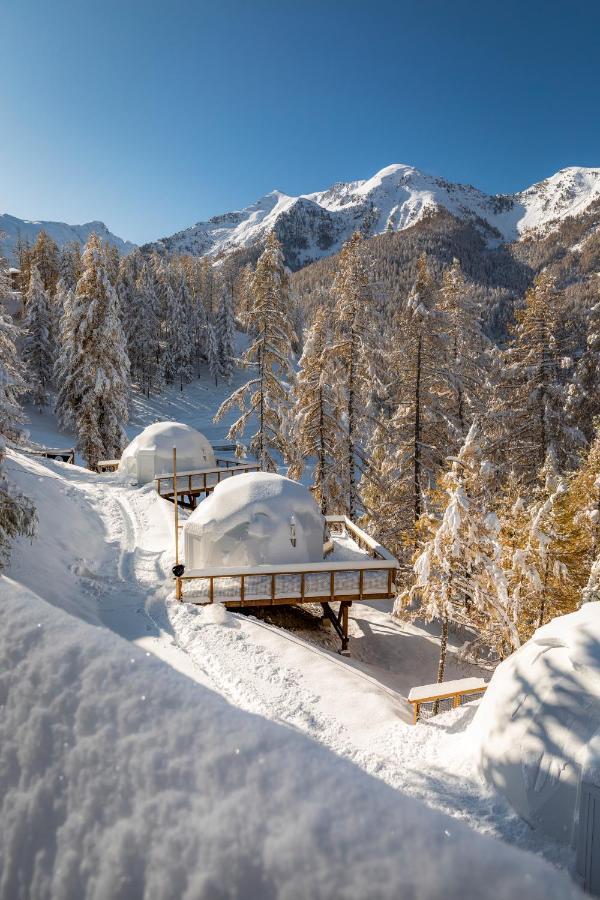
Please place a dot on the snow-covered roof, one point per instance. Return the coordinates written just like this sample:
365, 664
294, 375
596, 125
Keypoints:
255, 518
151, 452
142, 782
535, 721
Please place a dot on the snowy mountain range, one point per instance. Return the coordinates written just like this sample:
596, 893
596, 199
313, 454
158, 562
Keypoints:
315, 225
12, 229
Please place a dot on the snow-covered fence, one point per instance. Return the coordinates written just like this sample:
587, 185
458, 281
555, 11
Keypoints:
429, 699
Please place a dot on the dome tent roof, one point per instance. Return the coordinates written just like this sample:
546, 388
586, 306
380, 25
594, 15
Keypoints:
255, 519
537, 717
151, 452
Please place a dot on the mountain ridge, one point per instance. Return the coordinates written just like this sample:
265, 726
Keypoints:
316, 224
12, 228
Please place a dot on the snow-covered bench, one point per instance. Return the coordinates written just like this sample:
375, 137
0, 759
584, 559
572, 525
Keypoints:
444, 694
108, 465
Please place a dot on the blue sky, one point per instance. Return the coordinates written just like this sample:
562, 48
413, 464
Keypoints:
153, 115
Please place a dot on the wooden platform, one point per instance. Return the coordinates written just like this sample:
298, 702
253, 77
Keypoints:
195, 484
64, 454
366, 577
448, 694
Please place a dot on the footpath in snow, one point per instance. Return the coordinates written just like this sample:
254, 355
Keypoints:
104, 553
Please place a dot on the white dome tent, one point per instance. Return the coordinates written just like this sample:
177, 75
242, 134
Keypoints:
256, 518
541, 709
151, 452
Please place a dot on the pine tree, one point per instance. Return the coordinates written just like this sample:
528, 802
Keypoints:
37, 350
459, 576
143, 330
352, 353
97, 383
266, 395
316, 427
226, 334
213, 353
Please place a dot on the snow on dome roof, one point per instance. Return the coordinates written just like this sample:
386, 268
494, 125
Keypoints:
253, 519
541, 709
151, 452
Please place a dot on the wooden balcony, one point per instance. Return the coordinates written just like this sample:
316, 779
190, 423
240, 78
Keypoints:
195, 484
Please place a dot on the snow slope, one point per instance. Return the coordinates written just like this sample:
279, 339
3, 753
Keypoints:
122, 774
314, 225
12, 228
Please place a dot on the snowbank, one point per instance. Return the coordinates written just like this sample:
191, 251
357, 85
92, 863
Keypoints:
252, 519
122, 779
151, 452
537, 716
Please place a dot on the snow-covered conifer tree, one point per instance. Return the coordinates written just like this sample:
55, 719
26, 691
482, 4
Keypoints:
352, 353
316, 424
37, 346
143, 329
44, 255
212, 349
178, 331
97, 383
583, 404
458, 573
226, 334
266, 395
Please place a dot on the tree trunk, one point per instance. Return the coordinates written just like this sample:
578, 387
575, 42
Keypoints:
351, 473
320, 484
442, 662
417, 443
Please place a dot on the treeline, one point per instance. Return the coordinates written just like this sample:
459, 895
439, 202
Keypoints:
478, 465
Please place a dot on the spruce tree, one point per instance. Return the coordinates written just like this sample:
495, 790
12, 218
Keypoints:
37, 347
266, 396
97, 383
143, 329
178, 362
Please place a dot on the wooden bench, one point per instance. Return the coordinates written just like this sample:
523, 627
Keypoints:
108, 465
451, 693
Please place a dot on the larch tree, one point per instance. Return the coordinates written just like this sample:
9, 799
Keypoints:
583, 403
265, 397
316, 425
37, 344
177, 333
45, 256
143, 333
351, 351
97, 383
226, 334
458, 573
527, 421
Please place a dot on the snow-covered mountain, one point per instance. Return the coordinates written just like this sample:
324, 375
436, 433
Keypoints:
12, 228
314, 225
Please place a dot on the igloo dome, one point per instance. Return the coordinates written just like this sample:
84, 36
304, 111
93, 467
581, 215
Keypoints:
534, 723
151, 452
254, 519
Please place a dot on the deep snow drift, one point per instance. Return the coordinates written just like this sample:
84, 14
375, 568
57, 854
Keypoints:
252, 519
540, 711
151, 452
123, 779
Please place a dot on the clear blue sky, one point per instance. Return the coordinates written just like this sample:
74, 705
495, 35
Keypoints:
153, 115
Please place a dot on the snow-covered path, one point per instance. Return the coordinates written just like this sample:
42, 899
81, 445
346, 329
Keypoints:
109, 547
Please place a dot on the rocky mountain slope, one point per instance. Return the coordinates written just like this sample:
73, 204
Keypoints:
312, 226
12, 229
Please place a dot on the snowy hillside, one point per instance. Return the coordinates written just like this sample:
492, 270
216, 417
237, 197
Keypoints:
314, 225
12, 229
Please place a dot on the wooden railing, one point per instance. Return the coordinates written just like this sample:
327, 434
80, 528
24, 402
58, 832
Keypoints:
319, 582
198, 482
449, 693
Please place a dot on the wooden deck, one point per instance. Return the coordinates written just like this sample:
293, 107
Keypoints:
367, 577
64, 454
194, 484
447, 694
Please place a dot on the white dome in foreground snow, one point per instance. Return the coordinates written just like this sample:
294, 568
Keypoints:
151, 452
253, 519
537, 718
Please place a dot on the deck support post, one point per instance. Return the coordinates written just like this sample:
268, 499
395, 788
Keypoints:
339, 622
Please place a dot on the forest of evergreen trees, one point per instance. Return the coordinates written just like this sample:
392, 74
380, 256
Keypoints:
445, 395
